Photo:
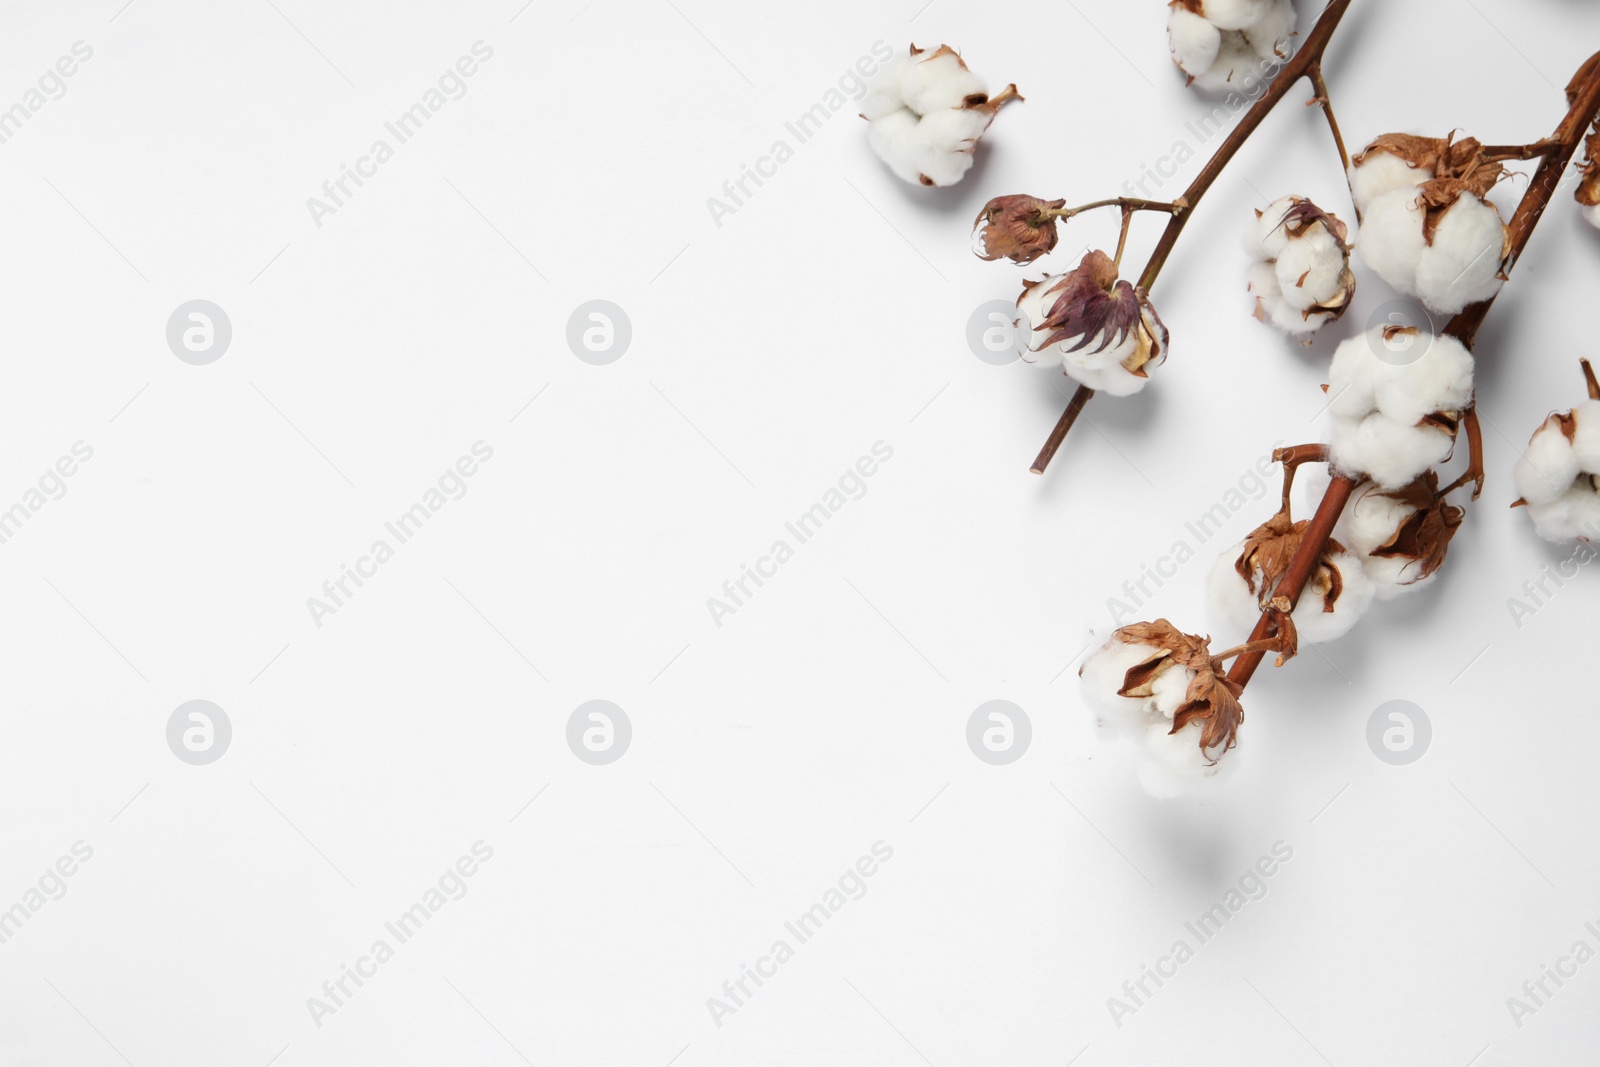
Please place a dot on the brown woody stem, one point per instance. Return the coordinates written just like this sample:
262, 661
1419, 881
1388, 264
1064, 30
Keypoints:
1583, 95
1589, 379
1303, 62
1291, 458
1474, 471
1063, 424
1501, 153
1301, 567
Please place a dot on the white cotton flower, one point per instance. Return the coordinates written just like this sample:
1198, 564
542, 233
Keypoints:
927, 111
1463, 264
1271, 307
1102, 676
1265, 236
1194, 42
1559, 475
1163, 663
1446, 256
1307, 280
1381, 408
1233, 604
1174, 763
1234, 14
1273, 33
1227, 45
1391, 240
1369, 522
1101, 331
1383, 172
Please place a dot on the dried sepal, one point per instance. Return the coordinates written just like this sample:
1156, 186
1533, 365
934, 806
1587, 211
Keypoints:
1424, 535
1090, 302
1588, 193
1019, 227
1212, 699
1446, 157
1266, 556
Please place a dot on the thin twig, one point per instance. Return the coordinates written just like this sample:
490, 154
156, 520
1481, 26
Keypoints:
1063, 424
1583, 95
1182, 209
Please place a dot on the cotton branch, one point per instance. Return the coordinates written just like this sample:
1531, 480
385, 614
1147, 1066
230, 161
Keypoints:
1307, 62
1555, 152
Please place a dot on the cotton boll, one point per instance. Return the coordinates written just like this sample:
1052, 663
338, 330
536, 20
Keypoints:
1311, 269
1033, 308
944, 168
1573, 516
1439, 380
1235, 62
1271, 35
1462, 265
1391, 241
1235, 14
1174, 764
1318, 626
1360, 382
1352, 377
938, 80
1233, 604
1098, 354
1103, 674
1586, 438
1113, 380
953, 131
1381, 173
1370, 520
883, 96
1194, 42
1171, 689
1389, 452
1272, 308
1265, 237
895, 139
1229, 600
1100, 678
1548, 468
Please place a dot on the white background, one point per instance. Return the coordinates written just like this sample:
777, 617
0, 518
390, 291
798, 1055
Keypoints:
768, 354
